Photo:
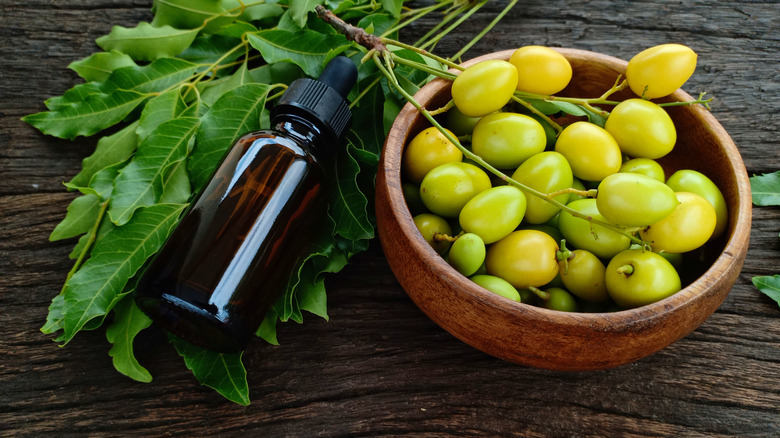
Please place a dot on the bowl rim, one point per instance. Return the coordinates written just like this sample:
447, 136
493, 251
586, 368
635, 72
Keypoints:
732, 254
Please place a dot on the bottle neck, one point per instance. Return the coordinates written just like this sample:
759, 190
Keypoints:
305, 132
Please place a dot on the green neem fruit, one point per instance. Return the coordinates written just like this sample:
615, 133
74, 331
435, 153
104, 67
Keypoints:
644, 166
560, 300
497, 285
505, 140
636, 278
493, 213
430, 226
546, 172
582, 234
448, 187
467, 254
632, 199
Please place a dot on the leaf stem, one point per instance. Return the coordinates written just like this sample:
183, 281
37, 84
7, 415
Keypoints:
88, 245
487, 29
472, 9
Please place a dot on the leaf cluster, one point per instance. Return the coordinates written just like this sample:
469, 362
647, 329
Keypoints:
168, 98
765, 191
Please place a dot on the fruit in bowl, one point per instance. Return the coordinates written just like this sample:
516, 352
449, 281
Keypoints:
634, 318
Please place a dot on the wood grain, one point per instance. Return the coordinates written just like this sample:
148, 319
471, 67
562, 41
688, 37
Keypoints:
379, 366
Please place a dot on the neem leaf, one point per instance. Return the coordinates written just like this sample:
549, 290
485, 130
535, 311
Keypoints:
95, 113
222, 372
267, 329
177, 189
115, 258
74, 95
769, 285
309, 268
82, 214
347, 202
160, 109
366, 133
393, 7
188, 14
146, 42
99, 66
576, 110
105, 226
207, 49
766, 189
237, 112
307, 49
156, 77
110, 150
129, 320
141, 182
217, 88
299, 10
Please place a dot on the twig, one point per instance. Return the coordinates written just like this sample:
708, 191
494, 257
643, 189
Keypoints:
353, 33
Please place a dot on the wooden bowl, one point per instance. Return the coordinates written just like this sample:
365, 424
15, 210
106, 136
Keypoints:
543, 338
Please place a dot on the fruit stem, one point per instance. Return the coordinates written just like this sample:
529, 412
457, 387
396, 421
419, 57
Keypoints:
544, 296
592, 193
626, 270
558, 128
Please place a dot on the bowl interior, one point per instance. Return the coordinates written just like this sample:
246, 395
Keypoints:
560, 340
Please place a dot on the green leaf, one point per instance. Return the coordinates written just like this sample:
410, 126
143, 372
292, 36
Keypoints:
267, 329
189, 14
277, 73
348, 204
769, 285
167, 106
546, 108
105, 226
207, 49
236, 113
141, 183
157, 77
213, 92
95, 113
366, 132
308, 49
102, 183
766, 189
393, 7
304, 280
82, 214
576, 110
129, 320
378, 23
74, 95
222, 372
261, 11
146, 42
55, 316
299, 10
177, 189
110, 150
99, 66
115, 258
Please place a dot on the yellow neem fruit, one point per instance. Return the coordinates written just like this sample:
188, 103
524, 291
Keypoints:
660, 70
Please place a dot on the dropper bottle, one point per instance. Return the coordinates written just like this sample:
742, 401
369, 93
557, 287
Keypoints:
231, 255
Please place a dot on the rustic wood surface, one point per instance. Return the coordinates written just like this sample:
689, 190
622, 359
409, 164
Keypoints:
379, 366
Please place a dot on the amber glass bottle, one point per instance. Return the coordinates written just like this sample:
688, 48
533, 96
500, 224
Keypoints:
231, 255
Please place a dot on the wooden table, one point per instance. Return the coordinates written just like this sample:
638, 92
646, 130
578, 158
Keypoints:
379, 366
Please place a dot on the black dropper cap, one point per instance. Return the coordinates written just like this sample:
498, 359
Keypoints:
322, 101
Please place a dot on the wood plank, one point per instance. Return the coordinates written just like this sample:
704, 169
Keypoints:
379, 366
